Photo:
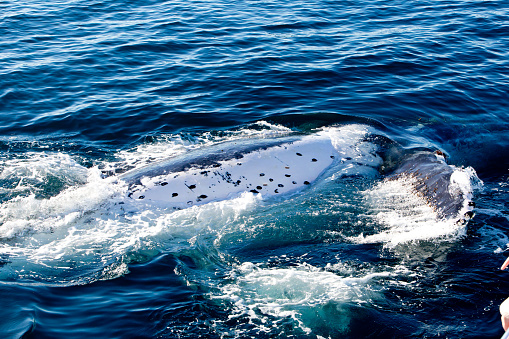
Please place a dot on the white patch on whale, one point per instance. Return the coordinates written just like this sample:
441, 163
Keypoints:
272, 170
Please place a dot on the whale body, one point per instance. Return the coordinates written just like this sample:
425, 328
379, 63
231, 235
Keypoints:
286, 165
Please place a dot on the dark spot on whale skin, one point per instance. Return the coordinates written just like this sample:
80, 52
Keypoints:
141, 197
438, 152
191, 187
288, 175
174, 195
314, 160
203, 196
299, 154
280, 185
259, 187
306, 182
254, 191
262, 174
164, 183
271, 180
276, 191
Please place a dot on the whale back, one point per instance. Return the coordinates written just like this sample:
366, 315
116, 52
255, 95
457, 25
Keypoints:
285, 165
269, 167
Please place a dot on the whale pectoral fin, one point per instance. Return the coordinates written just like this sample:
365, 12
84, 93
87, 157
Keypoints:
438, 184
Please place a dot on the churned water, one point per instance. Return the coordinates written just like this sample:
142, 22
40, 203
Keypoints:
90, 90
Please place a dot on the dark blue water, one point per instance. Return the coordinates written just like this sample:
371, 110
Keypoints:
92, 89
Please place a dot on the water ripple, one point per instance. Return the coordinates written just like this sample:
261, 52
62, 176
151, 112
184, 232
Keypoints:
88, 79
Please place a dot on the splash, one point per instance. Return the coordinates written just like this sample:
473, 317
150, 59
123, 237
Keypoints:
300, 293
40, 174
63, 223
403, 215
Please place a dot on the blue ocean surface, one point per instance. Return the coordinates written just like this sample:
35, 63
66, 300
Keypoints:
92, 90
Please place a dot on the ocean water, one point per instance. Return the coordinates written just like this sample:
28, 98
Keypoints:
91, 90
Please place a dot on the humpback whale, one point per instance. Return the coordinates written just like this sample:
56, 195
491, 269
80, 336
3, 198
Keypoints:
288, 164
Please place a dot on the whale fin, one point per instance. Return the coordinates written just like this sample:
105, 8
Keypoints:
444, 187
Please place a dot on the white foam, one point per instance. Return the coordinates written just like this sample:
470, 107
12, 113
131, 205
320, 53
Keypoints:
29, 214
405, 216
463, 183
29, 171
84, 233
260, 293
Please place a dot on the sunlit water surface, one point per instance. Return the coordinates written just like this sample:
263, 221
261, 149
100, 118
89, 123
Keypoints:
91, 90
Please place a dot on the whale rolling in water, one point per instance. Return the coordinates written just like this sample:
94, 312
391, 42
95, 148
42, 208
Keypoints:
286, 165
